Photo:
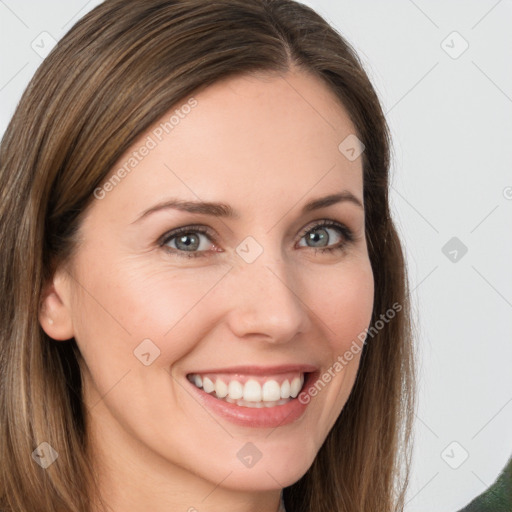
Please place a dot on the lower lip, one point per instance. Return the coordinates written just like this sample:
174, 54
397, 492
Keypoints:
265, 417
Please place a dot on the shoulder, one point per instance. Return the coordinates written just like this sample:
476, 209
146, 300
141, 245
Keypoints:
498, 498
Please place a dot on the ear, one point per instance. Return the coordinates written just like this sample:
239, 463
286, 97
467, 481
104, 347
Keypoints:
55, 311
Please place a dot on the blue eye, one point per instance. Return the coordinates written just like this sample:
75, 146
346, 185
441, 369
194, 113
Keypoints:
322, 234
186, 241
193, 241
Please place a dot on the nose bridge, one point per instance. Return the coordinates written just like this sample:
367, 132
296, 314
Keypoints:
265, 300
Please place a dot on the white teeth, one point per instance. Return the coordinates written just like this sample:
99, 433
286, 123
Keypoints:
252, 392
221, 388
285, 389
257, 405
235, 390
295, 386
208, 385
271, 391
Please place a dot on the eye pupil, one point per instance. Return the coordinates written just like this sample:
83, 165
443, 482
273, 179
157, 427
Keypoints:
319, 235
191, 244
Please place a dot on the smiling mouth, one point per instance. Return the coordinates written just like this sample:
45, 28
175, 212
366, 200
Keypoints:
251, 390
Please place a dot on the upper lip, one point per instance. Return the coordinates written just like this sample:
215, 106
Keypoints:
262, 370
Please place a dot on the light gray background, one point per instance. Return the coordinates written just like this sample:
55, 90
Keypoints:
451, 120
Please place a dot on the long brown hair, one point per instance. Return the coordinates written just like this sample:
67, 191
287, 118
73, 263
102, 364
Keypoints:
116, 72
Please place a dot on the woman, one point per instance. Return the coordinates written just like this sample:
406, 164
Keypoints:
204, 300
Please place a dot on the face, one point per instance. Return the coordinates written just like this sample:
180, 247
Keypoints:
164, 292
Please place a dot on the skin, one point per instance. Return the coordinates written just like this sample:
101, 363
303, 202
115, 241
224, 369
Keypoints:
266, 145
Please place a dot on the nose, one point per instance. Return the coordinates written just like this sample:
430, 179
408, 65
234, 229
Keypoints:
266, 301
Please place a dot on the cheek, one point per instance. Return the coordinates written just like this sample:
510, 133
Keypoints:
122, 304
344, 306
128, 302
344, 302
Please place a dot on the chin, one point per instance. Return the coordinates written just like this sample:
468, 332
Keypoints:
274, 473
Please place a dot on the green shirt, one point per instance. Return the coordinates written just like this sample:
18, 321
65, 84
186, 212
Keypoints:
498, 498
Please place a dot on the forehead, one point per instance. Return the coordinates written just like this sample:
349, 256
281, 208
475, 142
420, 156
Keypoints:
247, 140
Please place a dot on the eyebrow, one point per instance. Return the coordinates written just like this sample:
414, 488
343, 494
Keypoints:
224, 210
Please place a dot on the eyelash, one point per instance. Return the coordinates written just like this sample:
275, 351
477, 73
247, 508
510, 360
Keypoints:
344, 231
